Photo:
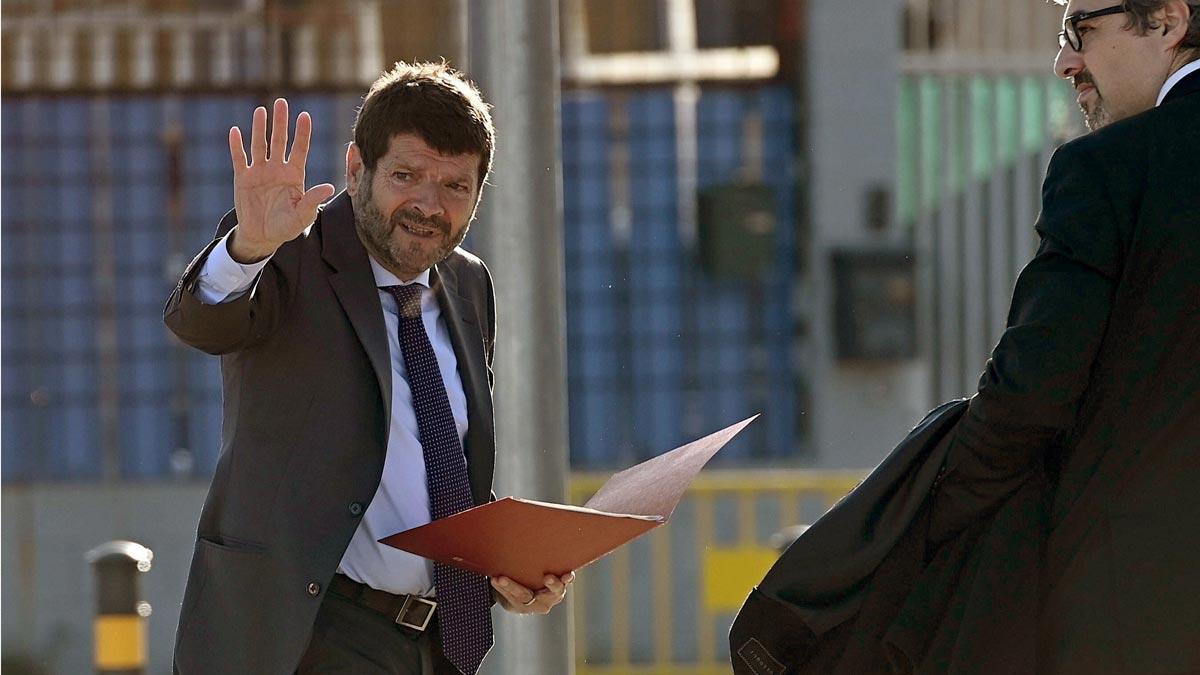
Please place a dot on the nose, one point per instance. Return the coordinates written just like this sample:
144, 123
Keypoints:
426, 200
1068, 63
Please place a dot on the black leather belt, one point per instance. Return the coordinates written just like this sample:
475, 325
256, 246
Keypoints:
410, 611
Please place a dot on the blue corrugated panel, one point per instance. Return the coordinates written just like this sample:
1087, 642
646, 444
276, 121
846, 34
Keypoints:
592, 363
776, 105
14, 290
327, 156
654, 275
657, 351
72, 443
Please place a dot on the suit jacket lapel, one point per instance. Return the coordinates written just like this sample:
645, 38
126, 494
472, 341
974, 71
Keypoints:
467, 340
354, 285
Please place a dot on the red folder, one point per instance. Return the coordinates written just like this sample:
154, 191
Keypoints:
525, 540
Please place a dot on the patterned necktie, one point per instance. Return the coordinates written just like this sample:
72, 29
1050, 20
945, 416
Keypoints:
464, 599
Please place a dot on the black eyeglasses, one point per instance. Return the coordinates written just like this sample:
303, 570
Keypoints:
1070, 32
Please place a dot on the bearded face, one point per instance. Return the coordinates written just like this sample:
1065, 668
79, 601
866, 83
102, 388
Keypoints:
415, 206
406, 242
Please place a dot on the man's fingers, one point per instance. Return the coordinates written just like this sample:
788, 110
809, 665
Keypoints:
315, 195
525, 601
279, 130
300, 144
237, 151
258, 136
516, 594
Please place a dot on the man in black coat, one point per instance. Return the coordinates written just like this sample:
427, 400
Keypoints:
1096, 380
1061, 536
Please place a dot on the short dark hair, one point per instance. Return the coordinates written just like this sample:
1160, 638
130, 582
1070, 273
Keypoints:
1141, 18
433, 101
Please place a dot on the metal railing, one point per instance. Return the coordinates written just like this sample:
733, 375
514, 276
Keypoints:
664, 603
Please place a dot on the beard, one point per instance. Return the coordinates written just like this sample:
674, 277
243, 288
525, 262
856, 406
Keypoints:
1095, 113
404, 254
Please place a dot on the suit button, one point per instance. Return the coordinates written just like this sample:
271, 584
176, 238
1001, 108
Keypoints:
356, 508
314, 589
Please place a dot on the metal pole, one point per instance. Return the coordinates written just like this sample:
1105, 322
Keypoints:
514, 59
456, 37
104, 277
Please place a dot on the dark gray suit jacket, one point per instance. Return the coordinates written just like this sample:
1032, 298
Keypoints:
307, 396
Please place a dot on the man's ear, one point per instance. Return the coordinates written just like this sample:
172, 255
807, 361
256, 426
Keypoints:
354, 169
1174, 17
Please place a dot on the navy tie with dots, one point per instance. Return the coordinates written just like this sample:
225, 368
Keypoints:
464, 599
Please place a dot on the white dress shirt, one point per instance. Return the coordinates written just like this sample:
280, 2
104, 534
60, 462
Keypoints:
402, 499
1174, 79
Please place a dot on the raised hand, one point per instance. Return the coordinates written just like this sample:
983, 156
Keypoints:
268, 190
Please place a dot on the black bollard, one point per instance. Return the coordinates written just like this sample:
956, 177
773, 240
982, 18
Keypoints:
120, 624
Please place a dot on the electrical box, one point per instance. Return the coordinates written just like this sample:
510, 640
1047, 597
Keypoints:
875, 303
736, 229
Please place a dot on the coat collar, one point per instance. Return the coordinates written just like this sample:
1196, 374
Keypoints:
353, 283
1190, 84
466, 337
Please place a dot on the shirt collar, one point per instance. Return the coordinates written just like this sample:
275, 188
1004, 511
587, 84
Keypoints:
386, 278
1174, 79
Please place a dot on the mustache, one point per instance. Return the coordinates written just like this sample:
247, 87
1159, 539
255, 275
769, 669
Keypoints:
1081, 79
417, 218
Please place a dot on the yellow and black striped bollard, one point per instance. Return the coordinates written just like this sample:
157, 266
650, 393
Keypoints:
120, 624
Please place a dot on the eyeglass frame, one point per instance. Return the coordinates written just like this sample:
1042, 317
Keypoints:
1071, 25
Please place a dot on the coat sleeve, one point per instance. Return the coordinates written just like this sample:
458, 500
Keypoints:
1030, 391
238, 324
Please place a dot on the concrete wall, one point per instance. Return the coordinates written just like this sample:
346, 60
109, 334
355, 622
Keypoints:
860, 411
48, 589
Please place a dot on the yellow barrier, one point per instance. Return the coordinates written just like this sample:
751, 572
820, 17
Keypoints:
724, 564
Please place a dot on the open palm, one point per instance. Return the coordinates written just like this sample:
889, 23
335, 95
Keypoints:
268, 189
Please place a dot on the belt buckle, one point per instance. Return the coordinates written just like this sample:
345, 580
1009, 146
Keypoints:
416, 602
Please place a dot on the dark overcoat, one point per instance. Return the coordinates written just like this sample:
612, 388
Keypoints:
1097, 379
1061, 536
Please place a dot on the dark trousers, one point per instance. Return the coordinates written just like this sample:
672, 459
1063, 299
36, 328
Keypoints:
355, 640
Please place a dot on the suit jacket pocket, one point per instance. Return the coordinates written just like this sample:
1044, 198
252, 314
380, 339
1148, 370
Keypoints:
231, 544
233, 605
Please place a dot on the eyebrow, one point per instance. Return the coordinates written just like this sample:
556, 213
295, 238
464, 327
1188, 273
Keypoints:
1075, 16
404, 166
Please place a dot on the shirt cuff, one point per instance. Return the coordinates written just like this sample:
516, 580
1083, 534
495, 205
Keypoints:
223, 279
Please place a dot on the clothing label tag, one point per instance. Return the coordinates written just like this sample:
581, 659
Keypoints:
760, 661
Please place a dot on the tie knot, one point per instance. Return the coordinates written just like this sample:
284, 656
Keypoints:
408, 299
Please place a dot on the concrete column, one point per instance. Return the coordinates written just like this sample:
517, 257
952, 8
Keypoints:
514, 58
860, 410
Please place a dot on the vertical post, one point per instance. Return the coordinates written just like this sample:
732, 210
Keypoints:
104, 279
514, 58
182, 459
120, 623
456, 35
681, 40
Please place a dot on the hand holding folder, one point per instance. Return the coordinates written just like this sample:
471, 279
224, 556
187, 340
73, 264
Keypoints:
525, 540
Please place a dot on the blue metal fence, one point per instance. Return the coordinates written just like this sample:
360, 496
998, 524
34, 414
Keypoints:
658, 350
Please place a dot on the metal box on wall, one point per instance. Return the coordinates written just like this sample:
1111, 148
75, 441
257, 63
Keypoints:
737, 229
874, 304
